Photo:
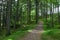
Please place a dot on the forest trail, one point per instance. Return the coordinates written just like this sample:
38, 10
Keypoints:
34, 34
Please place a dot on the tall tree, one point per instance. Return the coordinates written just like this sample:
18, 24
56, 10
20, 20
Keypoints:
8, 12
4, 13
0, 17
16, 13
51, 13
37, 10
29, 10
57, 1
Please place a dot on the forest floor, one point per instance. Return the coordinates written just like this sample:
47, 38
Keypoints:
34, 34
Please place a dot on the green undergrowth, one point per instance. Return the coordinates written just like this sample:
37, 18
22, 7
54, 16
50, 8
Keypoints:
14, 36
20, 33
53, 34
46, 27
51, 24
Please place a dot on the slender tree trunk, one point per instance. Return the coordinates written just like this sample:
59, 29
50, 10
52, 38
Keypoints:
29, 10
4, 14
21, 16
8, 12
0, 18
46, 13
16, 15
37, 10
58, 12
51, 14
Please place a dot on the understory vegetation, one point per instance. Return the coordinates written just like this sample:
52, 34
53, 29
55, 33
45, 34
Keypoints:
51, 23
53, 34
52, 28
19, 33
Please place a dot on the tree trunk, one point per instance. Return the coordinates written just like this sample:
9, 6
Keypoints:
37, 10
29, 10
8, 12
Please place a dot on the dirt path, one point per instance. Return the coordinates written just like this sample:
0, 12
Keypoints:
34, 34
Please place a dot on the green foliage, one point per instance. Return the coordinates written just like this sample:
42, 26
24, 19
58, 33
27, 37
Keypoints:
56, 24
14, 36
19, 33
51, 35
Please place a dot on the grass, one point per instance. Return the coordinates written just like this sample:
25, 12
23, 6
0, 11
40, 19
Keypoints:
14, 36
20, 33
53, 34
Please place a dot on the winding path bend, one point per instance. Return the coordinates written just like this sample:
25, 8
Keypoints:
35, 34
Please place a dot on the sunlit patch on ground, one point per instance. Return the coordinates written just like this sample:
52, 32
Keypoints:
29, 30
9, 39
